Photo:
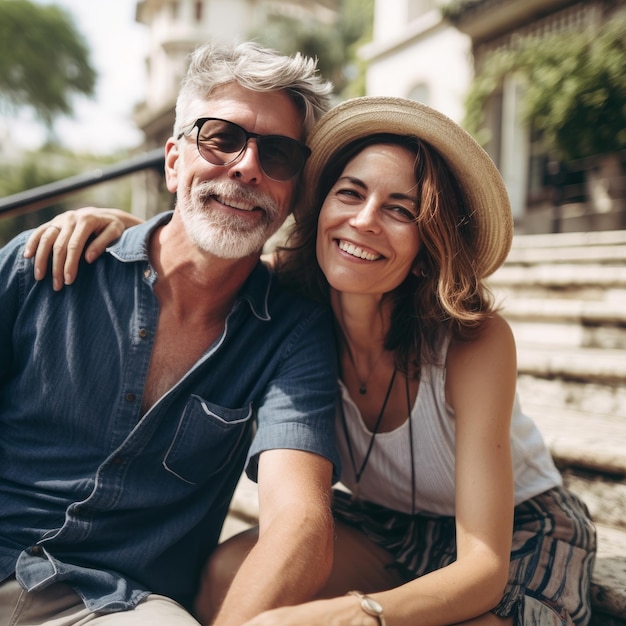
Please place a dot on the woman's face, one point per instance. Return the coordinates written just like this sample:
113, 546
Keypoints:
367, 239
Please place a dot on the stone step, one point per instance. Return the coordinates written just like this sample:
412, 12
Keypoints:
585, 365
568, 334
577, 247
556, 395
608, 583
581, 439
538, 252
560, 310
603, 493
561, 276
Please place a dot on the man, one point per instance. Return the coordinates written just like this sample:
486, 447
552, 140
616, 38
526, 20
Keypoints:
127, 401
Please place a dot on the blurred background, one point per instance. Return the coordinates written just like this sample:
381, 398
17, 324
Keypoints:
87, 91
540, 83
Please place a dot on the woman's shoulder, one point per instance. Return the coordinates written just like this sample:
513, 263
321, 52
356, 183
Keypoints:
492, 345
493, 329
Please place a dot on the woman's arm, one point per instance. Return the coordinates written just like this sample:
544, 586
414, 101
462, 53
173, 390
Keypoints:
292, 558
65, 237
480, 386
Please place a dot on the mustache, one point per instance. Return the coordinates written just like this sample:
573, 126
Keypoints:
236, 192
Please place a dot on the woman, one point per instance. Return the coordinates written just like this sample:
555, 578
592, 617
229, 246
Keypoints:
452, 511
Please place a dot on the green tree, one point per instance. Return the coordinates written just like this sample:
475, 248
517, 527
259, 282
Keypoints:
44, 60
335, 45
44, 63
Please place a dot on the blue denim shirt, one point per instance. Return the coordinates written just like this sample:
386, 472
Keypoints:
115, 504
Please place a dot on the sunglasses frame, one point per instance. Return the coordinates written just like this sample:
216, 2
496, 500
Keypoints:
302, 148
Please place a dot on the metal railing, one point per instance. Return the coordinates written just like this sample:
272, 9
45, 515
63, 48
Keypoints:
45, 195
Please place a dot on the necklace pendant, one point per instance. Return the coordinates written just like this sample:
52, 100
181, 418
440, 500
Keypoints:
363, 389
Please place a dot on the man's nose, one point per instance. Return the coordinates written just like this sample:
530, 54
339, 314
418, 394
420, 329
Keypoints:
248, 166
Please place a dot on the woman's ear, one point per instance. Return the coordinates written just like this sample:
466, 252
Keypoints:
419, 267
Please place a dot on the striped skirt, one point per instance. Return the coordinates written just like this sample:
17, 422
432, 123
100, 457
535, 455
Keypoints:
552, 557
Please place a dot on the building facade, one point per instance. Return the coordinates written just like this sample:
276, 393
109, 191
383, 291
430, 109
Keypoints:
429, 50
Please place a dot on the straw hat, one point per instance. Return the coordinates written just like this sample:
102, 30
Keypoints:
475, 171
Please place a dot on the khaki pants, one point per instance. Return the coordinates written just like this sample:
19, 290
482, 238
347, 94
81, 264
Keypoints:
59, 605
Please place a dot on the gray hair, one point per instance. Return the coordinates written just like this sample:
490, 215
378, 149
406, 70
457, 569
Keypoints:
256, 68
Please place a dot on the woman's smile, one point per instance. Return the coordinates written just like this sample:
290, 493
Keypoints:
357, 251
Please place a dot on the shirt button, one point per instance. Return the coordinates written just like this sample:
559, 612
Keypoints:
118, 460
36, 550
143, 333
130, 397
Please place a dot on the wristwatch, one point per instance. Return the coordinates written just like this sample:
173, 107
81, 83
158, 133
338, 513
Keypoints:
370, 606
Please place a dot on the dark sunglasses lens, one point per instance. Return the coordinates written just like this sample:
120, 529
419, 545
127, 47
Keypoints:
220, 142
281, 158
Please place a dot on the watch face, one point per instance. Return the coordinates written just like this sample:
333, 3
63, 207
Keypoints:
371, 606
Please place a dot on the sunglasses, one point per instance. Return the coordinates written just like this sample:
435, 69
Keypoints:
221, 142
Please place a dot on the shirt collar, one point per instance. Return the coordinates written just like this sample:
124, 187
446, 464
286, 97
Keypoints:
132, 246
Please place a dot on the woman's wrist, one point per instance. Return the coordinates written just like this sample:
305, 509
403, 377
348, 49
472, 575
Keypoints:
369, 606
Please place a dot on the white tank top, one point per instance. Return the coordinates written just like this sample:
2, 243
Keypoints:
386, 479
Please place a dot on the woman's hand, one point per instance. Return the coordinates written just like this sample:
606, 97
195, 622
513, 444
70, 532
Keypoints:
344, 610
66, 235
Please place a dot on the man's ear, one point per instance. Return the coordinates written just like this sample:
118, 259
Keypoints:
171, 161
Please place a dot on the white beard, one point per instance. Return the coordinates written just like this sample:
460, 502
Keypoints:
228, 236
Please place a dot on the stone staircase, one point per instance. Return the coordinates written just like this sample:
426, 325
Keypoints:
565, 298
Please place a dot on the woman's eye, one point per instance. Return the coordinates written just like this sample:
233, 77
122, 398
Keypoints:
348, 193
402, 213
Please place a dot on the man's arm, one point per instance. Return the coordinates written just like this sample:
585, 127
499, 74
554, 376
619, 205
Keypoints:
293, 555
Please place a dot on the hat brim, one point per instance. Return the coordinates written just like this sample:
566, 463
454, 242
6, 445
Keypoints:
474, 170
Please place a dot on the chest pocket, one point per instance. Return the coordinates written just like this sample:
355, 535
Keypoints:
206, 439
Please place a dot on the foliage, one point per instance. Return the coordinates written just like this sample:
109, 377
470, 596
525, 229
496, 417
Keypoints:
52, 163
355, 23
334, 46
575, 89
457, 8
44, 60
17, 177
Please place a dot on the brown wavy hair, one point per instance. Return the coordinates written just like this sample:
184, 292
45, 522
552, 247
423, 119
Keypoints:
444, 293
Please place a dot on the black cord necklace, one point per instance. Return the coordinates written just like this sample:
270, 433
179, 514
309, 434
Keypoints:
359, 473
408, 405
379, 419
362, 383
